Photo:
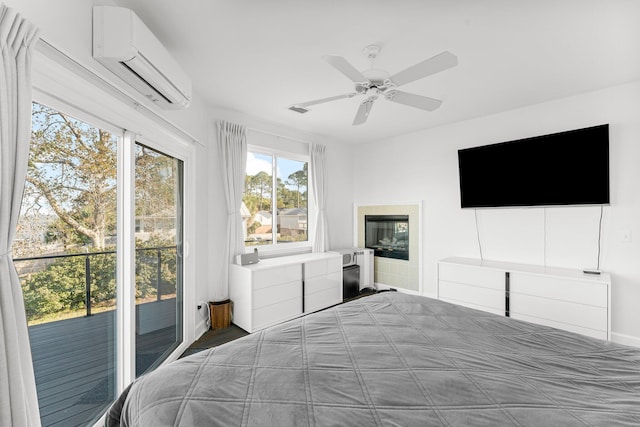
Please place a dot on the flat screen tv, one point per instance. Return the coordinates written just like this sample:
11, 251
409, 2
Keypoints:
566, 168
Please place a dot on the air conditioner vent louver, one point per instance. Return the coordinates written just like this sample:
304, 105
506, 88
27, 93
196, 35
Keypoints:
123, 44
124, 64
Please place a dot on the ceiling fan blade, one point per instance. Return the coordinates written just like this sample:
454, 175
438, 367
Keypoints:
430, 66
342, 65
323, 100
363, 112
414, 100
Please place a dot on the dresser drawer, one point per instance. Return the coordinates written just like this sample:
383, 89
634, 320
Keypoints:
484, 277
586, 316
321, 283
575, 291
275, 313
477, 296
322, 267
274, 294
277, 275
595, 333
323, 299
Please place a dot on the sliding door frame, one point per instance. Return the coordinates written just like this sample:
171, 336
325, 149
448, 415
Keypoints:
109, 116
126, 268
126, 311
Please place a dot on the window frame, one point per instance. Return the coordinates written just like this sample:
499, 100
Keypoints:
284, 248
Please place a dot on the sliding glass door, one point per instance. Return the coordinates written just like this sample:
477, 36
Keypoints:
81, 269
65, 255
158, 223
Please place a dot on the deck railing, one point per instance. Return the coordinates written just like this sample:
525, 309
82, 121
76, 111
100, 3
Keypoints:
87, 268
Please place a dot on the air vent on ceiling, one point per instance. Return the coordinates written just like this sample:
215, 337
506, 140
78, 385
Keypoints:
298, 109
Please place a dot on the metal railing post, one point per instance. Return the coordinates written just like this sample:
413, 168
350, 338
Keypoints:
158, 273
87, 283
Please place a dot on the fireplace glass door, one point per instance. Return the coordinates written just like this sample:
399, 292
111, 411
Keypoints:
388, 235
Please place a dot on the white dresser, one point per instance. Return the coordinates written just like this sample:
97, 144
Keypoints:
278, 289
562, 298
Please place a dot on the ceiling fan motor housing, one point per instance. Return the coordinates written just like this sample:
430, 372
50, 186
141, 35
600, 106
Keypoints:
376, 77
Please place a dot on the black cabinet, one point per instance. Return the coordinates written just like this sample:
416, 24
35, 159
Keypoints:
350, 282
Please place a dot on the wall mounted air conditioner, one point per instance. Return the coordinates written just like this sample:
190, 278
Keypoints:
123, 44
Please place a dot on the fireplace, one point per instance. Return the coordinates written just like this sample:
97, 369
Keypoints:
387, 235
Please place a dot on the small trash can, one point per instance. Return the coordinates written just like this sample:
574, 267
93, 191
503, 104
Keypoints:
220, 312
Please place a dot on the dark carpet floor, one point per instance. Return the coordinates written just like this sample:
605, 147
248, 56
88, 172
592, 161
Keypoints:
215, 338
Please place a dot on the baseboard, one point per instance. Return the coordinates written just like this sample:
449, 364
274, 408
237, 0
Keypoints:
625, 339
200, 329
383, 287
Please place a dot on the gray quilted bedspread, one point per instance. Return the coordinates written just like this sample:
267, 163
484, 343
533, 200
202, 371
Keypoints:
394, 360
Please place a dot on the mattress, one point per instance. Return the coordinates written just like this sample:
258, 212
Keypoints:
393, 359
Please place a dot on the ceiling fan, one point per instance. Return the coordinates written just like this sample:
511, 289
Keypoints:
373, 83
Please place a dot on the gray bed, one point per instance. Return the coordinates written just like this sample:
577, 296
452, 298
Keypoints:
393, 359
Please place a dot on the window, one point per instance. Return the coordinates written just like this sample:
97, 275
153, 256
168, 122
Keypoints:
275, 201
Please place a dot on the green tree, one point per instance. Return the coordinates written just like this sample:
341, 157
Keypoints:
72, 166
299, 180
60, 232
61, 285
281, 195
147, 281
262, 187
155, 183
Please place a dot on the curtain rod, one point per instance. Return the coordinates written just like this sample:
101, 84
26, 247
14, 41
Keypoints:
74, 66
277, 135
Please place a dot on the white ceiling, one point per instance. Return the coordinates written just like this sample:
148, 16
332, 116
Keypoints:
259, 57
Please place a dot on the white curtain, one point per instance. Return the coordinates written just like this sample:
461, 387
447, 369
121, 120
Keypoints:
232, 144
319, 180
18, 397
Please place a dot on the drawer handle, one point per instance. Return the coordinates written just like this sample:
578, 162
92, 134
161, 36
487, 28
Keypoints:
507, 290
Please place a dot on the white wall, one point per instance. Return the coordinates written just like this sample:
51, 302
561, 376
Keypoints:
423, 166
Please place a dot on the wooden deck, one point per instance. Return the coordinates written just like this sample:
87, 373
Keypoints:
74, 363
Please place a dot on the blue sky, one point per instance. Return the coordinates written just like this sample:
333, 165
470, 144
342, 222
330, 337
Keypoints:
257, 162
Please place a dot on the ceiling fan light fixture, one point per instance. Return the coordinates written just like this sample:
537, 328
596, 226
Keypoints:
372, 93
